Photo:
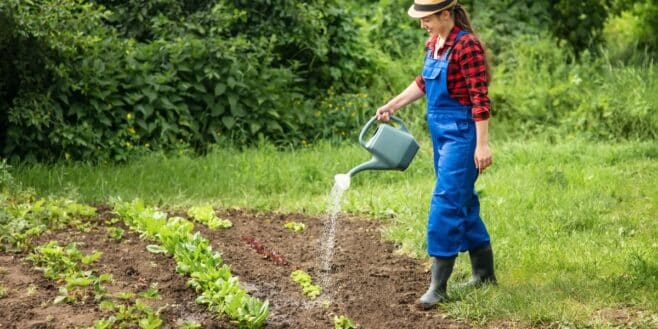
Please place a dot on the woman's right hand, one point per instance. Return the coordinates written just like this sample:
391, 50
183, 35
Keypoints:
384, 113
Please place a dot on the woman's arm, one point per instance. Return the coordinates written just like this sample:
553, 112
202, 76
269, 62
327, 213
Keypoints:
472, 56
409, 95
482, 157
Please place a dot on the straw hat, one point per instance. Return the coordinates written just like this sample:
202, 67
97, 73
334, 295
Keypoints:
422, 8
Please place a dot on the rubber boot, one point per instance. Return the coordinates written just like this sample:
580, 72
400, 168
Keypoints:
482, 266
437, 292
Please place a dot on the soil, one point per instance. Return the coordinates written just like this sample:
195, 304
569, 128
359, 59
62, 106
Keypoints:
368, 281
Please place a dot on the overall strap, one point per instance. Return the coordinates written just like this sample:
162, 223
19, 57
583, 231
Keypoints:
460, 34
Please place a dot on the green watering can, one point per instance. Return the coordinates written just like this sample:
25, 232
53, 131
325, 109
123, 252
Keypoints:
392, 148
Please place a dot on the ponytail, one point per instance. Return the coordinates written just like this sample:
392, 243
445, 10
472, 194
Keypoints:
464, 22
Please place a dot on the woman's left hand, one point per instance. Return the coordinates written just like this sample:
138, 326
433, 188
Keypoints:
482, 157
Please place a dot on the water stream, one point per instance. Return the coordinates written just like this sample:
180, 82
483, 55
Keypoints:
329, 230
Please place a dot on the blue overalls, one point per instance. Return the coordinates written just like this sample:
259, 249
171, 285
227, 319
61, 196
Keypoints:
454, 222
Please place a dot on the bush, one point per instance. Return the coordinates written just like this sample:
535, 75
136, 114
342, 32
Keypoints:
620, 104
217, 75
6, 179
540, 87
107, 80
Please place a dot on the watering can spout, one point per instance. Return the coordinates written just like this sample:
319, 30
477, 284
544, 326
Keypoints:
372, 164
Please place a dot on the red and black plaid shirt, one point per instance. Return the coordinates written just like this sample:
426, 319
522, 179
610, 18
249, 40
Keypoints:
467, 72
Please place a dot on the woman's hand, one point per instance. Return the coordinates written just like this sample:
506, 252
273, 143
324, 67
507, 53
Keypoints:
384, 113
411, 94
482, 157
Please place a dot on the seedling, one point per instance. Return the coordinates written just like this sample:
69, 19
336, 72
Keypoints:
303, 279
67, 264
31, 290
124, 295
194, 256
206, 215
28, 217
343, 322
132, 315
295, 226
189, 324
266, 252
151, 292
115, 233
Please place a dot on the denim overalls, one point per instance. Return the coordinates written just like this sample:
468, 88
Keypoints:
454, 222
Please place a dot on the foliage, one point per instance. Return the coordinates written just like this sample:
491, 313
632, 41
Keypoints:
130, 315
634, 30
69, 265
195, 74
595, 98
115, 233
194, 257
137, 19
294, 226
23, 217
579, 22
206, 215
110, 80
343, 322
6, 179
304, 280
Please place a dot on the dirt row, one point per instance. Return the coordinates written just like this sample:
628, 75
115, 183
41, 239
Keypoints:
368, 282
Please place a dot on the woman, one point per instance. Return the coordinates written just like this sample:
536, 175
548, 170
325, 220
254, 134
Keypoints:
455, 81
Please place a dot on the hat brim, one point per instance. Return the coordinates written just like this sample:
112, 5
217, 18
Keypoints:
420, 14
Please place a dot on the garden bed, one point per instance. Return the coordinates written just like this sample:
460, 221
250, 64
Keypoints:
369, 283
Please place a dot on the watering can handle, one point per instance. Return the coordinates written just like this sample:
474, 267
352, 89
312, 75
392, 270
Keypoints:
372, 121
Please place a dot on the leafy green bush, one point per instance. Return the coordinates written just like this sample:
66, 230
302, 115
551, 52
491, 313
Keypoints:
620, 104
6, 178
108, 80
541, 87
220, 73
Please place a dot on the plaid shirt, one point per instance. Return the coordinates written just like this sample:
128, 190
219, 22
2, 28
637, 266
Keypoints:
467, 76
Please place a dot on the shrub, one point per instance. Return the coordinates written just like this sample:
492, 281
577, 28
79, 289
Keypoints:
215, 75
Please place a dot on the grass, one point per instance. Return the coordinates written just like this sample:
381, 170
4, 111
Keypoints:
573, 224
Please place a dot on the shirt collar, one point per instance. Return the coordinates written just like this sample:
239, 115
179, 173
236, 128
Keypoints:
431, 43
452, 36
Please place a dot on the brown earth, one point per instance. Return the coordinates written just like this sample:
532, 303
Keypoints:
369, 283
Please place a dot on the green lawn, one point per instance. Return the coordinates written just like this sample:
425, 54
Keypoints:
573, 224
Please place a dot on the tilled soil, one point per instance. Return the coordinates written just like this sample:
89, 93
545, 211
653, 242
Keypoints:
367, 282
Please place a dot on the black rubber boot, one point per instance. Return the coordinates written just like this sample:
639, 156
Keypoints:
482, 266
441, 271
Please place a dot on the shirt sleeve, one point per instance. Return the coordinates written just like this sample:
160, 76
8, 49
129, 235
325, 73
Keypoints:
420, 82
474, 68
